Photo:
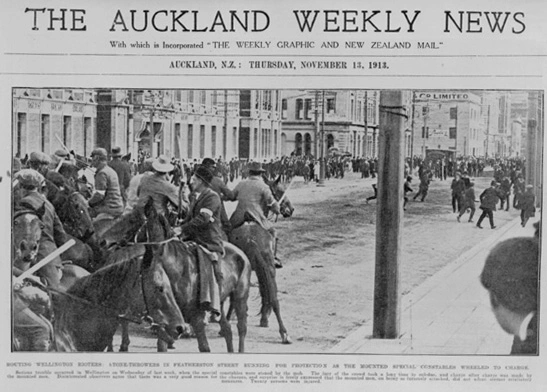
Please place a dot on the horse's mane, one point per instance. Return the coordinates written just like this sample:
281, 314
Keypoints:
119, 228
101, 284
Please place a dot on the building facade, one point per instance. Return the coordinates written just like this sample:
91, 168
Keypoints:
50, 119
347, 119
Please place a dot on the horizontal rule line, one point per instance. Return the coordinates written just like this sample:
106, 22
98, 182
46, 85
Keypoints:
272, 75
276, 55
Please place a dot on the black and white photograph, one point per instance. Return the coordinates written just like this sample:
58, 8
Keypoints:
168, 199
273, 196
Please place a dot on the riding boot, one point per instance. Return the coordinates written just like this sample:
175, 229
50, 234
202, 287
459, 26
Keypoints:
277, 261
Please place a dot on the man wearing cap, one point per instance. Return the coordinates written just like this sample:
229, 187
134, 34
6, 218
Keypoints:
53, 233
489, 198
256, 199
202, 225
106, 200
158, 187
527, 205
511, 276
122, 169
221, 189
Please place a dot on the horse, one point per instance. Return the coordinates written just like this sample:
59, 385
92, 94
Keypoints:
286, 208
26, 233
257, 243
87, 316
181, 264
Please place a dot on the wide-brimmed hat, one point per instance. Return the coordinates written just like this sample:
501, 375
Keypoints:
208, 162
256, 167
162, 164
40, 158
30, 178
61, 154
204, 174
99, 152
116, 152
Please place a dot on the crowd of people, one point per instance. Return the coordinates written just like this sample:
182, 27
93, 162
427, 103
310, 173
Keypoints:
189, 194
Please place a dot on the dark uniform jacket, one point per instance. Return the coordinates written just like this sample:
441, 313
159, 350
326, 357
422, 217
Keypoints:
489, 198
198, 226
123, 171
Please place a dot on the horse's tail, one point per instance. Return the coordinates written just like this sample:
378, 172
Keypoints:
244, 265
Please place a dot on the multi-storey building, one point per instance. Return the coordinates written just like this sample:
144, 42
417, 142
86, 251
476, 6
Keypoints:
455, 121
48, 119
187, 124
348, 119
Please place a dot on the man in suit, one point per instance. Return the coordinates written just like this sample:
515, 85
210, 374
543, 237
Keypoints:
220, 187
510, 275
122, 169
203, 226
255, 199
489, 198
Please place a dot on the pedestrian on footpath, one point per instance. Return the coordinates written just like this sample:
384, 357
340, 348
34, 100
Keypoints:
407, 189
425, 179
468, 202
510, 275
375, 187
489, 198
527, 205
458, 189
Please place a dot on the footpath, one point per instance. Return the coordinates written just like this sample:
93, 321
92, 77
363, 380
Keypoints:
449, 313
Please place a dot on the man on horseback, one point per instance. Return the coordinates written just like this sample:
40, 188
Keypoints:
106, 201
221, 189
203, 226
255, 200
158, 187
53, 233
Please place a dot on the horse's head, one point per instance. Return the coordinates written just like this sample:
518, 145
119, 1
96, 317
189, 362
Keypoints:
161, 306
74, 213
278, 191
27, 230
157, 225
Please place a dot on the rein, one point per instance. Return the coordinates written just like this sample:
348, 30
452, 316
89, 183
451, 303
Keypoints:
105, 309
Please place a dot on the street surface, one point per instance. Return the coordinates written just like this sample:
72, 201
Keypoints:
326, 287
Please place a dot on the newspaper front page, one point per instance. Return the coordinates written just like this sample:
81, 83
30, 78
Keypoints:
369, 116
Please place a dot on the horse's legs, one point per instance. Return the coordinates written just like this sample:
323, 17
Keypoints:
285, 339
230, 311
124, 345
198, 324
265, 312
161, 345
226, 329
240, 305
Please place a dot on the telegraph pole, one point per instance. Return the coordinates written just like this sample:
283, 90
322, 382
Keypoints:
389, 213
321, 181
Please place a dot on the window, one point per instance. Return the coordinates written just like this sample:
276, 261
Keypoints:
213, 141
454, 113
307, 108
87, 132
177, 140
190, 140
283, 108
452, 132
44, 131
331, 105
202, 141
191, 96
425, 133
21, 130
67, 128
299, 107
